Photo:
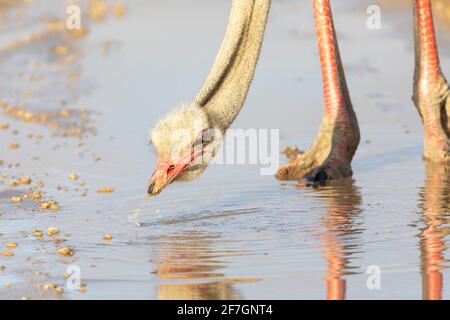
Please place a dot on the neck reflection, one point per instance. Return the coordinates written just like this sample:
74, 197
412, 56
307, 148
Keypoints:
189, 267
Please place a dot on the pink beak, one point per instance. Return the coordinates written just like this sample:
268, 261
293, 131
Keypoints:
167, 172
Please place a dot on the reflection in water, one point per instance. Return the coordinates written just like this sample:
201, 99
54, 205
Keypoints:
190, 256
343, 202
434, 202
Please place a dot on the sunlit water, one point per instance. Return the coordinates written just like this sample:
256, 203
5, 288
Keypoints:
233, 233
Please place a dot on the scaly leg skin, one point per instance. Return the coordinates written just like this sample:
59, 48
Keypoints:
434, 109
331, 154
431, 90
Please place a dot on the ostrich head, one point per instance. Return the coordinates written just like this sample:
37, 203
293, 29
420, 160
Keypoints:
184, 143
187, 138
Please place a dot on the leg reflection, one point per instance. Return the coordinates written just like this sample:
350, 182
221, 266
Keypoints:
343, 205
434, 200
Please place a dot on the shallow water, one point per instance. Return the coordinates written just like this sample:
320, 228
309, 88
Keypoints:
233, 233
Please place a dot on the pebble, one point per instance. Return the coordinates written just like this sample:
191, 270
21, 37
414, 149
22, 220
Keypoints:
59, 241
52, 231
11, 245
14, 183
105, 190
45, 205
16, 199
49, 286
25, 180
107, 237
66, 251
37, 234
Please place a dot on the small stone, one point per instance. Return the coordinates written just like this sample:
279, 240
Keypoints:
16, 199
14, 183
59, 241
66, 251
49, 286
37, 234
105, 190
8, 254
45, 205
107, 237
25, 180
11, 245
52, 231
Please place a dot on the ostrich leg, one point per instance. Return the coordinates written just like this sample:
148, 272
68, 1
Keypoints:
431, 90
331, 154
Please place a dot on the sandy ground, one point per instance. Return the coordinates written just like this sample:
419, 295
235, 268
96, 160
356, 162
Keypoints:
76, 109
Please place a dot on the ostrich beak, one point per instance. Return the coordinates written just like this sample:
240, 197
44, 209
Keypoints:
164, 174
167, 172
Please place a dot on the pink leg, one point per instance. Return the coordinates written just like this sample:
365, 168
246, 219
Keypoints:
431, 91
331, 154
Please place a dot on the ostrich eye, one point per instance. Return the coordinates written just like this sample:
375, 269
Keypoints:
171, 168
203, 138
198, 141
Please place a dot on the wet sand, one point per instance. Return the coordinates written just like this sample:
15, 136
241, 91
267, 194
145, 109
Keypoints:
78, 108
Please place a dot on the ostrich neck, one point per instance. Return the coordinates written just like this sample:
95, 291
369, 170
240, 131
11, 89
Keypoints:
227, 85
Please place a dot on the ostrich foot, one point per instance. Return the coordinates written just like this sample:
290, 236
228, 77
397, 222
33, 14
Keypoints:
435, 112
437, 151
330, 170
329, 158
316, 172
